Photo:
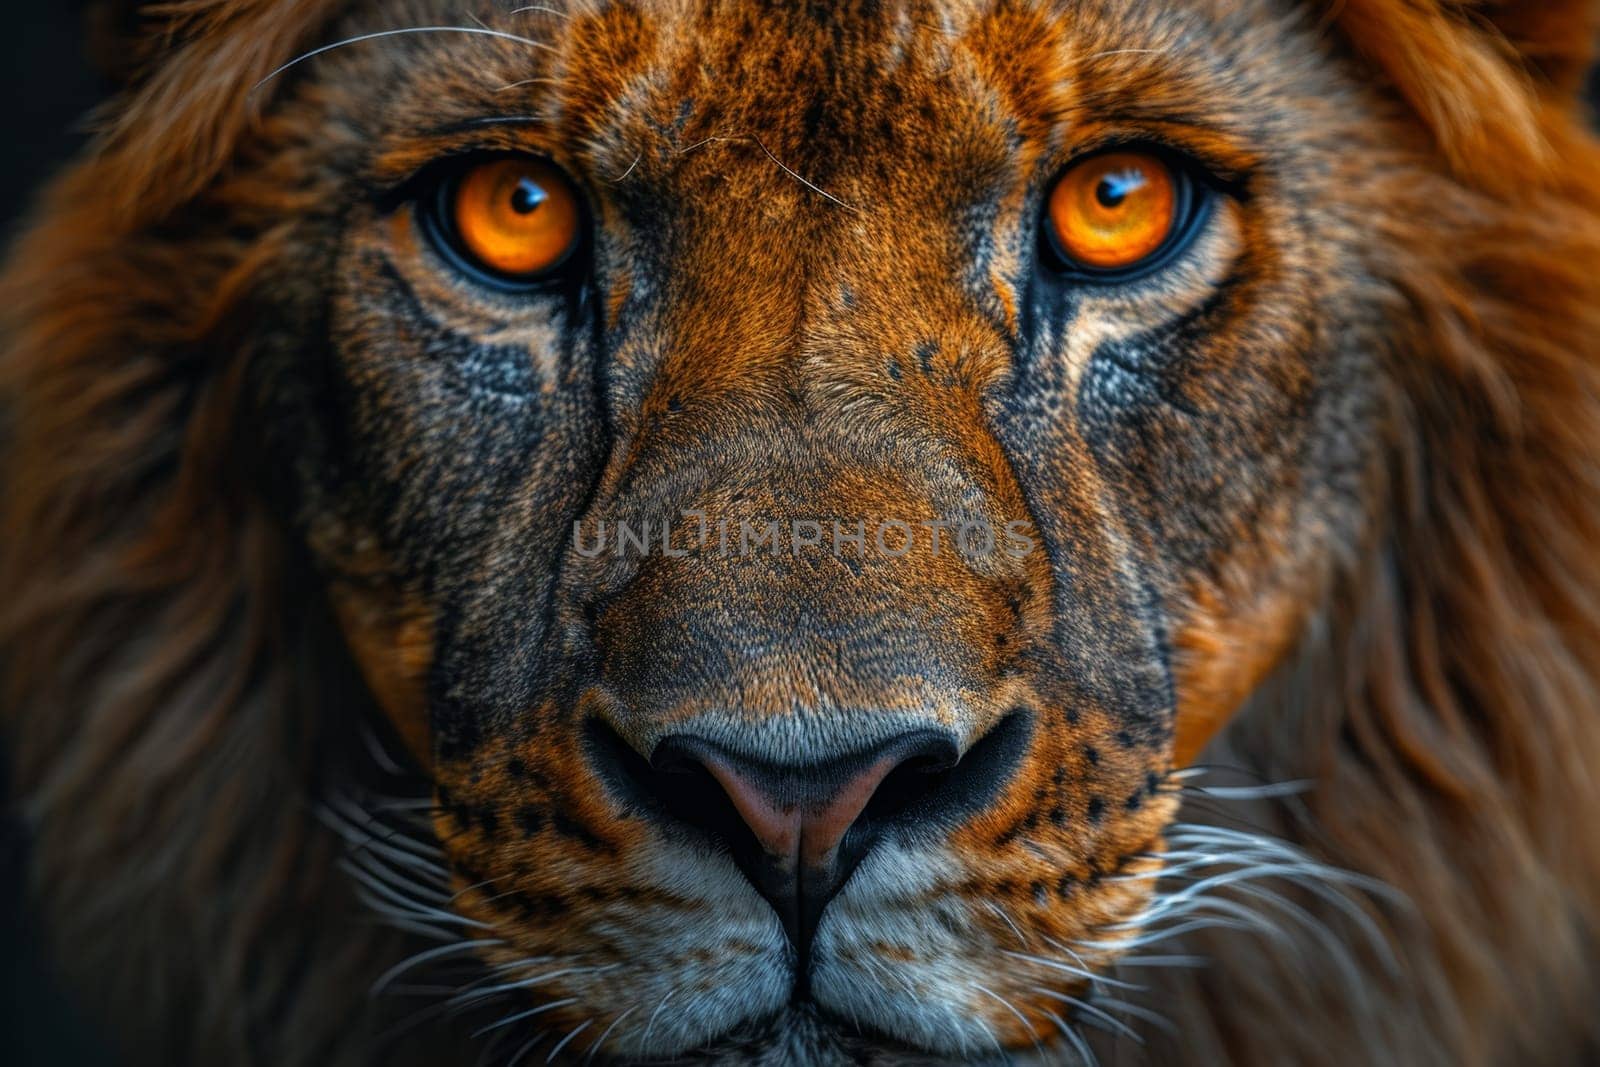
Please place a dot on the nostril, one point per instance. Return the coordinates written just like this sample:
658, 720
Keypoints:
673, 786
693, 786
936, 789
914, 780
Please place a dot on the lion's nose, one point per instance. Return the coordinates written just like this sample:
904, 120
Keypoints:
800, 815
796, 831
799, 829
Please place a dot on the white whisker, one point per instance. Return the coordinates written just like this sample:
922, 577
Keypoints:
427, 956
360, 38
527, 1047
1088, 1009
1252, 792
1163, 961
600, 1041
801, 179
467, 998
1139, 1011
1027, 1026
1000, 912
567, 1040
521, 1015
644, 1039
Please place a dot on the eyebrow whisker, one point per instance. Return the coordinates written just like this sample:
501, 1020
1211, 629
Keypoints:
528, 81
801, 179
629, 171
482, 31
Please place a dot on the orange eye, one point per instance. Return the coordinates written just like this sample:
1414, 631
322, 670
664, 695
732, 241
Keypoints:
1113, 211
517, 219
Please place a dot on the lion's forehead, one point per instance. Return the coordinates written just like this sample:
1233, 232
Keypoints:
878, 104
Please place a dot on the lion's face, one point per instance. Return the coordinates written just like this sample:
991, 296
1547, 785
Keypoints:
1078, 289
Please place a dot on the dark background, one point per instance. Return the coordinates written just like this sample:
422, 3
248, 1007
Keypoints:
48, 88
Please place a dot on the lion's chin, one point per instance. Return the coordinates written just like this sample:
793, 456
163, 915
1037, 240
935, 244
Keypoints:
806, 1033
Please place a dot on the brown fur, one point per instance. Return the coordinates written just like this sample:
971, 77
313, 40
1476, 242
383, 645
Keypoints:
177, 695
1447, 701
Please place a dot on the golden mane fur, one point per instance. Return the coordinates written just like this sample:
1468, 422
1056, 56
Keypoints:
172, 705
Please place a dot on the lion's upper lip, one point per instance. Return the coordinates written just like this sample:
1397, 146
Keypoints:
798, 832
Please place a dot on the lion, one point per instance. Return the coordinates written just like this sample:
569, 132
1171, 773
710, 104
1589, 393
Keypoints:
900, 531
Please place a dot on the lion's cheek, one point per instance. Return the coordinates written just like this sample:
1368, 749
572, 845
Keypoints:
391, 638
1222, 654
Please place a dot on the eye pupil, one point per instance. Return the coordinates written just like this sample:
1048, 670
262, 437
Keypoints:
1115, 188
527, 197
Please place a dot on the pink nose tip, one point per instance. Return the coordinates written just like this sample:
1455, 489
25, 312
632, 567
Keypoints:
789, 827
794, 830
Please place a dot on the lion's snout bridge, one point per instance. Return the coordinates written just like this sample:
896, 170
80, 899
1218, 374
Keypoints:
798, 701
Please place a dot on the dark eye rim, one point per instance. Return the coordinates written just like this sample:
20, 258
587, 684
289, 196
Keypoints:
432, 197
1195, 196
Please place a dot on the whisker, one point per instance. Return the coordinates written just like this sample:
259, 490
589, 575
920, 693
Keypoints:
1089, 1010
379, 35
1163, 961
644, 1039
1214, 877
1139, 1011
1251, 792
1005, 918
567, 1040
399, 904
380, 752
410, 926
425, 883
1149, 938
627, 172
526, 962
1027, 1027
474, 887
1066, 968
536, 980
994, 1038
426, 956
1098, 979
355, 823
517, 1056
799, 178
521, 1015
1075, 1039
491, 1048
594, 1049
1063, 1027
528, 81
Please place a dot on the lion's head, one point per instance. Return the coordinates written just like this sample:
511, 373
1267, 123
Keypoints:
802, 484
